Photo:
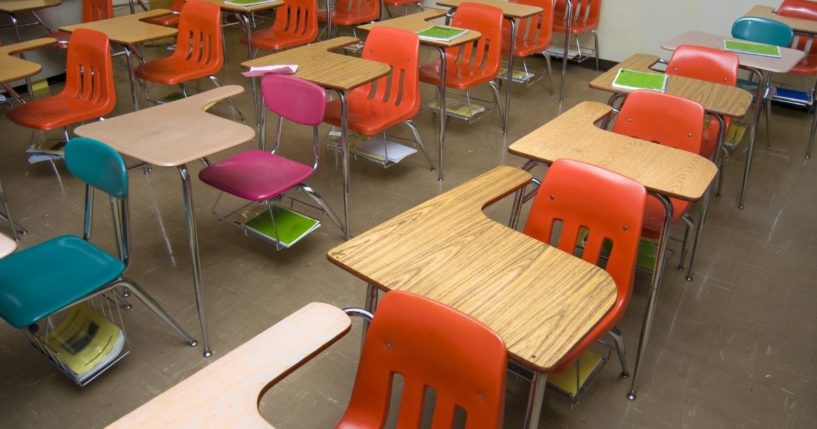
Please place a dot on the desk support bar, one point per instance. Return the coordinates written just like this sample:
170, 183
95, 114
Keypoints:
568, 23
649, 313
190, 217
763, 83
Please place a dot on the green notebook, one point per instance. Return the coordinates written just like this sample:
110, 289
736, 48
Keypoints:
751, 48
633, 79
441, 33
291, 226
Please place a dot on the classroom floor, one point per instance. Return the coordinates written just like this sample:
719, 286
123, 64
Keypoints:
733, 348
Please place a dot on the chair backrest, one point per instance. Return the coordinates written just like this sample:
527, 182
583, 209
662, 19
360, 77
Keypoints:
101, 167
95, 10
588, 211
484, 53
434, 347
400, 49
703, 63
88, 70
803, 9
363, 8
538, 29
762, 30
295, 99
662, 118
199, 42
177, 5
586, 14
298, 18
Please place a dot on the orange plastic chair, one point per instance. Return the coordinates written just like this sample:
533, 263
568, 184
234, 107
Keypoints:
396, 96
92, 10
199, 51
296, 23
432, 347
804, 9
590, 208
713, 65
670, 121
475, 63
533, 35
353, 13
170, 19
89, 88
404, 3
584, 18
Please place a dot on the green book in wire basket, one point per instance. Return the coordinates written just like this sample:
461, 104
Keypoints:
441, 33
285, 226
751, 48
634, 79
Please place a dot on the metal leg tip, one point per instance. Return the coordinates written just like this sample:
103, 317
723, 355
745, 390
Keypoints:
740, 206
631, 396
207, 353
681, 268
193, 343
624, 374
689, 277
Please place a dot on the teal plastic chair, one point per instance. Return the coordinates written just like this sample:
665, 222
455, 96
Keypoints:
770, 32
56, 274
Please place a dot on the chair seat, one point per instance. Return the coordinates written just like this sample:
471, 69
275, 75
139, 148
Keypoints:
56, 111
255, 175
167, 20
173, 70
654, 215
63, 37
366, 117
349, 18
401, 2
40, 280
806, 67
457, 76
275, 39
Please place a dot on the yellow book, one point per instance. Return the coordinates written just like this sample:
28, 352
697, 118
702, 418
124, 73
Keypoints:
566, 382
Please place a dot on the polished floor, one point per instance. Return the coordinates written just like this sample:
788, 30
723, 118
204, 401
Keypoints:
733, 348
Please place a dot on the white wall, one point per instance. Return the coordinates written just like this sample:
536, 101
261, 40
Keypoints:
630, 26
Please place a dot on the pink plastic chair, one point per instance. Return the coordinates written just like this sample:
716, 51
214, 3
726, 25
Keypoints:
260, 176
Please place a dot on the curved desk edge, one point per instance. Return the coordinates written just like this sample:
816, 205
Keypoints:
326, 45
18, 68
417, 22
226, 392
7, 245
798, 24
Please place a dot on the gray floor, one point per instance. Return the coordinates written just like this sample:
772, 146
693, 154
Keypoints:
733, 348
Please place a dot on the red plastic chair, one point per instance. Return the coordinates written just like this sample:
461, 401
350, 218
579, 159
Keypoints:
584, 19
296, 23
199, 51
670, 121
353, 13
533, 35
89, 88
170, 19
432, 347
807, 66
476, 63
92, 10
577, 200
401, 3
261, 176
396, 96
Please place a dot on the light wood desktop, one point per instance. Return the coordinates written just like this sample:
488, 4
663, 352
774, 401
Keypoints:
243, 14
13, 7
129, 31
416, 23
664, 171
171, 135
226, 393
341, 73
799, 25
761, 66
540, 300
513, 12
7, 245
13, 68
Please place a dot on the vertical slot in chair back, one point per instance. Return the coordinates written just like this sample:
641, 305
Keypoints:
586, 14
432, 347
483, 55
95, 10
298, 18
98, 165
295, 99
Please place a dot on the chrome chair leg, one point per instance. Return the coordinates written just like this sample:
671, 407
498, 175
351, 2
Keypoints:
230, 99
688, 223
622, 358
324, 206
768, 107
596, 47
157, 309
495, 91
550, 80
419, 141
